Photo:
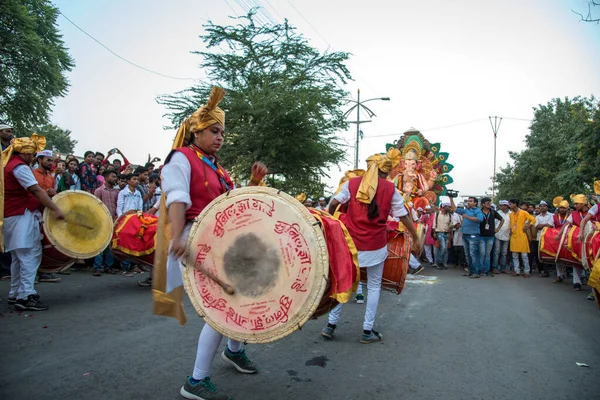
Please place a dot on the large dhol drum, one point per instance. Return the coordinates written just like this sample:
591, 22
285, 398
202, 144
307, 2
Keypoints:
395, 268
421, 229
591, 245
134, 237
565, 249
266, 248
84, 234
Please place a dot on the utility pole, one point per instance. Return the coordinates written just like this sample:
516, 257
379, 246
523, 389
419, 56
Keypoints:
358, 104
495, 127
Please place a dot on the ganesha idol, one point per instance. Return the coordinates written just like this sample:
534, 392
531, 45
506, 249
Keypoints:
420, 171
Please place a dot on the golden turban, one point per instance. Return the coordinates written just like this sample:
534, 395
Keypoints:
579, 198
556, 201
207, 115
24, 145
597, 187
564, 204
368, 185
394, 155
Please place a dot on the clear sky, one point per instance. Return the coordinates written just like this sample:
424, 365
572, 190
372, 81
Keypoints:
441, 62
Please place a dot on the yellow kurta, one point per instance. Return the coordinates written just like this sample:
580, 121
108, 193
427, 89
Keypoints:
518, 239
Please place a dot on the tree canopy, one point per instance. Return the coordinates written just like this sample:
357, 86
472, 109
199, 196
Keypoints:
33, 63
283, 102
57, 139
562, 155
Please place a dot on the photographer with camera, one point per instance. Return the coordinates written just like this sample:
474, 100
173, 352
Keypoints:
472, 218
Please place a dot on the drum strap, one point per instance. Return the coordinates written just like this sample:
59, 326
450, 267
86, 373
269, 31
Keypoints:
217, 168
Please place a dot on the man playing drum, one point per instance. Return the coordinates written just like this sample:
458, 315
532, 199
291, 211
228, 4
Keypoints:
23, 199
191, 179
371, 199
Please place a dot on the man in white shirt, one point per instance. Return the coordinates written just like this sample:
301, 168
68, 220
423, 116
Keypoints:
501, 240
130, 199
543, 220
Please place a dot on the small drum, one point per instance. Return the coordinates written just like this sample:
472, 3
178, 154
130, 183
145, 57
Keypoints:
84, 234
266, 246
134, 237
419, 227
395, 268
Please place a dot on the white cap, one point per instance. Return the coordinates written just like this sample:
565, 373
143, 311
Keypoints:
4, 126
309, 199
503, 202
419, 209
321, 198
428, 207
445, 204
543, 203
44, 153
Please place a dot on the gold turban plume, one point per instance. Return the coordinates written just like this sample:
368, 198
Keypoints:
394, 155
24, 145
368, 185
301, 198
207, 115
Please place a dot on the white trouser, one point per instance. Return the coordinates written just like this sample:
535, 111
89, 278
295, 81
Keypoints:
413, 262
208, 344
374, 275
524, 258
359, 288
576, 276
24, 266
429, 252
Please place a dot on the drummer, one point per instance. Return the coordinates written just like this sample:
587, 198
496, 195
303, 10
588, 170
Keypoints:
23, 199
191, 179
371, 198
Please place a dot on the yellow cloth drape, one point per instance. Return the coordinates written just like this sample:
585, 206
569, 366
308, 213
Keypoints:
30, 145
518, 239
368, 184
171, 304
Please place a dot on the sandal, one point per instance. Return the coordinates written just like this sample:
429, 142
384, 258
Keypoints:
97, 273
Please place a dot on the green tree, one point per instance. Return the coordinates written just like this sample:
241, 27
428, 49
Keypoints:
33, 62
561, 156
283, 101
57, 139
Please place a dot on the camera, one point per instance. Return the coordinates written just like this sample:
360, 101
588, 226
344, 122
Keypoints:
452, 193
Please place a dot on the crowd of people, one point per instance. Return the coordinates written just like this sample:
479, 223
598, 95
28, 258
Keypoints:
487, 240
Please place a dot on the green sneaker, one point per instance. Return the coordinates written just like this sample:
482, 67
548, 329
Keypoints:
360, 299
240, 361
203, 390
372, 337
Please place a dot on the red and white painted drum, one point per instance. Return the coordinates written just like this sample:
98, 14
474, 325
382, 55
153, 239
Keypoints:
266, 246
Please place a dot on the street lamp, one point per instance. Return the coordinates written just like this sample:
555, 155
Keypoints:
358, 104
495, 127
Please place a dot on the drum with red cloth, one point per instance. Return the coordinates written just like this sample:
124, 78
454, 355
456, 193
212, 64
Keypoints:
565, 248
134, 237
257, 266
83, 234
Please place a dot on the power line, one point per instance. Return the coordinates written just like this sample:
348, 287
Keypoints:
123, 58
229, 5
431, 129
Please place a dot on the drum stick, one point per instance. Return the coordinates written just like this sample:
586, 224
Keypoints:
562, 240
227, 288
78, 223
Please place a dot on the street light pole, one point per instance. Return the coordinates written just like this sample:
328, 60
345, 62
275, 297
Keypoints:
358, 104
495, 126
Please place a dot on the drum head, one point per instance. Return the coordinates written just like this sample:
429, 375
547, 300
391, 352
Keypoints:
270, 250
74, 240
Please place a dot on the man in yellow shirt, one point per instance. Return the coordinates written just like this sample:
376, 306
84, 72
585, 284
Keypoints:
519, 243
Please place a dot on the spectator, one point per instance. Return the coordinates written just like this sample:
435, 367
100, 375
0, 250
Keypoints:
129, 199
154, 186
6, 135
427, 219
89, 182
61, 169
458, 250
543, 220
150, 167
128, 170
42, 173
308, 202
119, 167
472, 218
100, 175
501, 240
322, 204
122, 181
519, 243
442, 226
488, 230
144, 188
98, 161
70, 180
109, 195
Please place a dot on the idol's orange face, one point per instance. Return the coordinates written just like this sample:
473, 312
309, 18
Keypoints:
210, 139
410, 165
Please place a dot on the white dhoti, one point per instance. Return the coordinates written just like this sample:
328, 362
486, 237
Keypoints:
23, 239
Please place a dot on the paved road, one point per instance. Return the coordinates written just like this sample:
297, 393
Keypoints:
445, 337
